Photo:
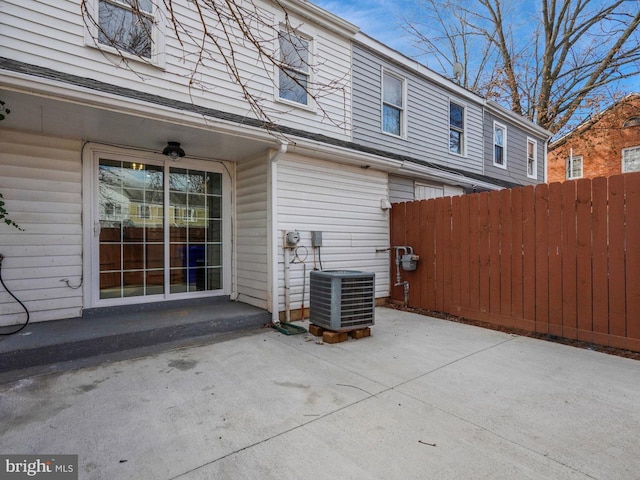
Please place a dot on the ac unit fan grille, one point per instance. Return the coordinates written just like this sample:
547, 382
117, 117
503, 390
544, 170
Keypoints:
342, 300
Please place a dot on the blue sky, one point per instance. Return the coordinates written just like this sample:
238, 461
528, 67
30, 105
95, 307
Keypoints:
383, 20
380, 19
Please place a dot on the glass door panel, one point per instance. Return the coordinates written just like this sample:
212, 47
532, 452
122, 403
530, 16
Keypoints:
131, 214
134, 223
192, 196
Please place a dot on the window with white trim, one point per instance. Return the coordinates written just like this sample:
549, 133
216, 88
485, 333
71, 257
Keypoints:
574, 167
456, 128
126, 25
131, 28
532, 158
393, 104
294, 73
499, 145
631, 159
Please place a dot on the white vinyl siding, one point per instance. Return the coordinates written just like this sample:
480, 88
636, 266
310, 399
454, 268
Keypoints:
40, 179
51, 34
252, 232
343, 203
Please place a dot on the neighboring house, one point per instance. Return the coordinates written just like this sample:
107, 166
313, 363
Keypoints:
607, 144
444, 132
82, 167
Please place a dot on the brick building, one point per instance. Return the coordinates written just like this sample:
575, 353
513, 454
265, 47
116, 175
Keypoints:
607, 144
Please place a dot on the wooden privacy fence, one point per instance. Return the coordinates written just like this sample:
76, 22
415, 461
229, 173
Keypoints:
560, 259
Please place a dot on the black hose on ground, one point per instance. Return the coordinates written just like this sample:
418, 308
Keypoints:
15, 298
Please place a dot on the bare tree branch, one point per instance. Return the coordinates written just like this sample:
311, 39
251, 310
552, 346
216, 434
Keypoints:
552, 69
223, 27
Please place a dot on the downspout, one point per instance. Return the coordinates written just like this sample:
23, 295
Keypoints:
275, 314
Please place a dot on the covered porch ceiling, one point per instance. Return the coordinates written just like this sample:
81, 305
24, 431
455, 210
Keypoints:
200, 137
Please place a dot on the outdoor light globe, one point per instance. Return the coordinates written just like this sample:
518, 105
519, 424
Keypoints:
173, 151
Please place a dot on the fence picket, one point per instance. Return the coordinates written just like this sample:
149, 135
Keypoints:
517, 275
600, 259
632, 196
617, 307
584, 254
474, 252
483, 250
555, 259
568, 257
528, 257
542, 258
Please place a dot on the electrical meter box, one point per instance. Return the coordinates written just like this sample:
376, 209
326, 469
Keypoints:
316, 239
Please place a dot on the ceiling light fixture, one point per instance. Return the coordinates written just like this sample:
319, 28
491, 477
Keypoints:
173, 151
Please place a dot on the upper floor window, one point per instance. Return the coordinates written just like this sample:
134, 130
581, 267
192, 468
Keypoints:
126, 25
499, 145
456, 128
631, 159
631, 122
574, 167
392, 104
532, 158
293, 84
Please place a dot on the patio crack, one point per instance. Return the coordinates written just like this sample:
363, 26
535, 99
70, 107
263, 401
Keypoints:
453, 362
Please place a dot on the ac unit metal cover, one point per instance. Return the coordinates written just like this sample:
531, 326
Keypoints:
342, 300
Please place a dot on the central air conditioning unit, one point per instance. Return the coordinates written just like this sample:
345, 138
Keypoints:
342, 300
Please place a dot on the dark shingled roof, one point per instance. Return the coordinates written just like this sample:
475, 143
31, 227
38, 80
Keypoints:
91, 84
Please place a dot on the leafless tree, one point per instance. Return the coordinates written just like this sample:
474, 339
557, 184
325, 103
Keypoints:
552, 61
221, 29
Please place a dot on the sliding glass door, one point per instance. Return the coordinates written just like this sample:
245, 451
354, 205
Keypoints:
160, 230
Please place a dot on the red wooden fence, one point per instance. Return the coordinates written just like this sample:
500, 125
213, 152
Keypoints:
561, 259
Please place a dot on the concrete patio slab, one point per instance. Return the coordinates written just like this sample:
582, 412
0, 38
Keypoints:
421, 398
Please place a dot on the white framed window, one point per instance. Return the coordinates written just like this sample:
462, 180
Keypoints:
393, 104
294, 74
132, 28
574, 167
457, 142
499, 145
532, 158
631, 159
